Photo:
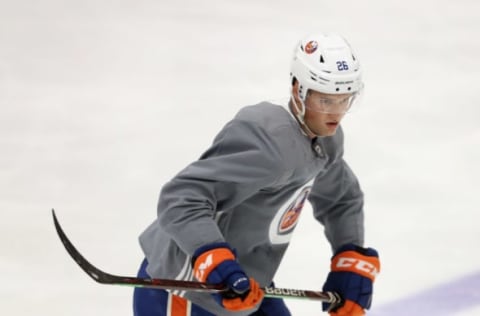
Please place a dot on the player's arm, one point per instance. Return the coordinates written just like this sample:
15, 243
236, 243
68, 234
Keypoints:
337, 201
241, 160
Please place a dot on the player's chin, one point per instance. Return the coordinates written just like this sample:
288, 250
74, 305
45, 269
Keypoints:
328, 131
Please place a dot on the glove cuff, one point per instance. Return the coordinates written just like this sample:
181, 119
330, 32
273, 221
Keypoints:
205, 248
362, 261
209, 258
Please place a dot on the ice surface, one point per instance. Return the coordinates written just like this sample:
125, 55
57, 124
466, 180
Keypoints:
103, 101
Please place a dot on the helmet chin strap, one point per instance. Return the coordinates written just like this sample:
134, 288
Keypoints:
300, 116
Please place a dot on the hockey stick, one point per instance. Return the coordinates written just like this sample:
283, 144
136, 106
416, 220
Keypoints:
106, 278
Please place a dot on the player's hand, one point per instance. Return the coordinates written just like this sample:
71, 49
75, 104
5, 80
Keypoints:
216, 264
353, 271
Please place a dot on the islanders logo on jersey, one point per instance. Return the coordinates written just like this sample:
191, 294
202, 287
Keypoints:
284, 222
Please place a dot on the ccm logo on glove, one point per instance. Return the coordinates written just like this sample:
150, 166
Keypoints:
206, 263
200, 273
351, 262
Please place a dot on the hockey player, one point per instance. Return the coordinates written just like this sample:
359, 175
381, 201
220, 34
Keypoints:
228, 217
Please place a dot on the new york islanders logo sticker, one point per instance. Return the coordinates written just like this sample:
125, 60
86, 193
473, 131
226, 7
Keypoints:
286, 219
311, 47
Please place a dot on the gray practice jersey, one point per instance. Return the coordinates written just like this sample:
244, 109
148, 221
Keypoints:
248, 189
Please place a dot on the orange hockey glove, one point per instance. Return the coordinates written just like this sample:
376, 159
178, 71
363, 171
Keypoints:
353, 271
216, 264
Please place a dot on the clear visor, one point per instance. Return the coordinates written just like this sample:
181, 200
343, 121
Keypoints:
331, 103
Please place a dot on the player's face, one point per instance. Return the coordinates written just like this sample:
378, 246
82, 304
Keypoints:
323, 112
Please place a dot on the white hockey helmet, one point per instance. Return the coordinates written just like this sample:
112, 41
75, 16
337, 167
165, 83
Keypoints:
325, 63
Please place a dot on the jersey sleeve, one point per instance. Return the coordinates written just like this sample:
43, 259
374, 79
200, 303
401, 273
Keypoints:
242, 160
337, 202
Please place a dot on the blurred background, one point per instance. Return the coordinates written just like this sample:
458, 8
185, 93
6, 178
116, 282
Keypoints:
101, 102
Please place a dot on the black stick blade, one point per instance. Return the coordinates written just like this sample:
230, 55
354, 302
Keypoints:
106, 278
90, 269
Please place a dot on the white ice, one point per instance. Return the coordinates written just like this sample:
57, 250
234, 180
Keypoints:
101, 102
